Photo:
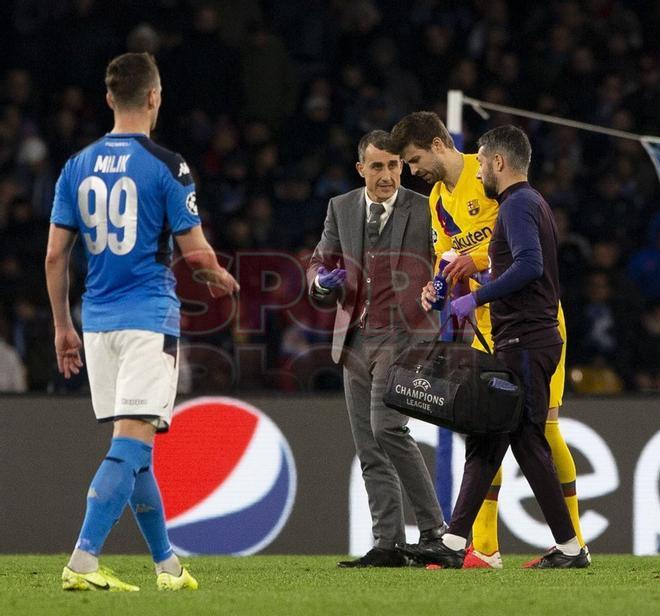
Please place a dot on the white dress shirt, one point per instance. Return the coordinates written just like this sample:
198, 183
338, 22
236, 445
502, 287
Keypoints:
388, 205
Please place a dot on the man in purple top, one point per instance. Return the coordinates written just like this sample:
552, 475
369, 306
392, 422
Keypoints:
523, 296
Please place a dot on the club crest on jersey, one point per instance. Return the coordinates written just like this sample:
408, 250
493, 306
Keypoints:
473, 207
191, 203
446, 221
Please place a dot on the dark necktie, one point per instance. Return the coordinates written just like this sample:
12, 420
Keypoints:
373, 224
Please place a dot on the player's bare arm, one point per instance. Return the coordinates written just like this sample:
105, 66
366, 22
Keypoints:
67, 341
200, 257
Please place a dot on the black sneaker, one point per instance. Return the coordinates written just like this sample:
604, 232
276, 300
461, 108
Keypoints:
376, 557
427, 539
556, 559
437, 554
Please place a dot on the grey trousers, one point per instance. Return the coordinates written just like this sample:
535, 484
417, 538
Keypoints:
388, 454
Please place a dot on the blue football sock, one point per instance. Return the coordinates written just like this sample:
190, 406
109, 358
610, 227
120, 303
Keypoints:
110, 490
147, 506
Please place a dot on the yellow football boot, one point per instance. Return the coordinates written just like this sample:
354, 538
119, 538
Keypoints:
185, 581
101, 579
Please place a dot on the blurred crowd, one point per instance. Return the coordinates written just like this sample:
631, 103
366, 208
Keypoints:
266, 100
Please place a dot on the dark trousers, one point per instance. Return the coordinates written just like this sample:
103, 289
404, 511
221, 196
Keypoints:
484, 454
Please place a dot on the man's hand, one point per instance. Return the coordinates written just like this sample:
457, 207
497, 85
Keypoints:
222, 283
428, 296
460, 268
67, 349
331, 280
462, 307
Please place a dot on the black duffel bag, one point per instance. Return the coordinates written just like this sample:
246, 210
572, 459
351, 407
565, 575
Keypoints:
450, 384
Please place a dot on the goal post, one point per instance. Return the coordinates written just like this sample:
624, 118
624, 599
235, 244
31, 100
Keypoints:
455, 117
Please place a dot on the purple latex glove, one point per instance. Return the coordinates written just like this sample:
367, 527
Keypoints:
331, 280
463, 306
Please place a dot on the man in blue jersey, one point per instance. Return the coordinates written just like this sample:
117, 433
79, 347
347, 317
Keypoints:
126, 196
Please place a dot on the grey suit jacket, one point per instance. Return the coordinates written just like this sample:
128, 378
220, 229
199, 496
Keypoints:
411, 261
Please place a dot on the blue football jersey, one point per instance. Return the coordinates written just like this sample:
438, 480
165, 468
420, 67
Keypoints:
126, 196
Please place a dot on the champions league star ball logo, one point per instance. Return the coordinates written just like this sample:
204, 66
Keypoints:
227, 477
191, 203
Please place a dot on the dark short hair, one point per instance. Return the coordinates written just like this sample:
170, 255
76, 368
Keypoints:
420, 129
379, 139
129, 78
511, 142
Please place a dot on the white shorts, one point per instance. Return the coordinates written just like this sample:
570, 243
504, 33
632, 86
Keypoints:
132, 375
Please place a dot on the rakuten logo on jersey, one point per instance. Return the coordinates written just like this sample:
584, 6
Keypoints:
471, 239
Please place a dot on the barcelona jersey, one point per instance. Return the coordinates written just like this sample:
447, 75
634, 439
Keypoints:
464, 220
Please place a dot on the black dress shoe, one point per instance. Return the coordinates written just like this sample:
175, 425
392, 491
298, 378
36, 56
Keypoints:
556, 559
376, 557
432, 535
436, 553
427, 539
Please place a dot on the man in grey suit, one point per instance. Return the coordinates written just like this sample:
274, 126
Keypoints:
374, 256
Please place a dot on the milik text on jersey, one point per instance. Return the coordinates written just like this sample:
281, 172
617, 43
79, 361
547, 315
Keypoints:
111, 164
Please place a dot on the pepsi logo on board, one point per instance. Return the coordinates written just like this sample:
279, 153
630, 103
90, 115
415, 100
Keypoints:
227, 476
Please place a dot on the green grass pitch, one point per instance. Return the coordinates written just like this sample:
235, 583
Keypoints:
292, 585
